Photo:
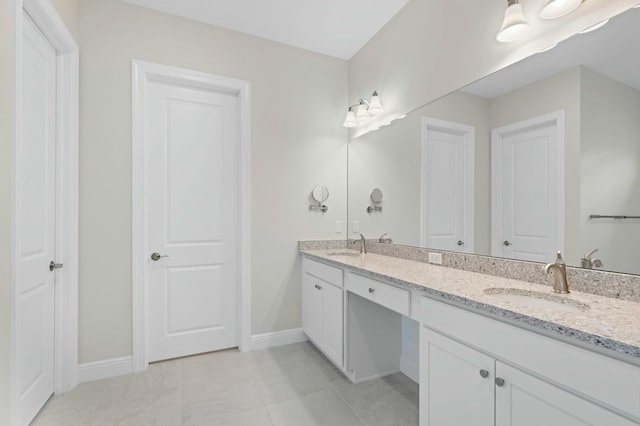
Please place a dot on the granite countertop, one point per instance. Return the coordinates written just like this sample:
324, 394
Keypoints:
607, 325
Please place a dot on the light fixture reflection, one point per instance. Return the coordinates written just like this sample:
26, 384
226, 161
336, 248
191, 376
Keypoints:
514, 24
557, 8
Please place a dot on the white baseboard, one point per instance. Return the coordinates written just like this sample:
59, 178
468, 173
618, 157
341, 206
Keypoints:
278, 338
107, 368
410, 368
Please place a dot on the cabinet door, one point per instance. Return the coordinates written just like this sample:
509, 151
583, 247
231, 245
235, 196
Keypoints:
456, 383
312, 308
332, 312
523, 400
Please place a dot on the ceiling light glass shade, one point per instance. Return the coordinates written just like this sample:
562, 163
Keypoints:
375, 106
362, 115
557, 8
514, 25
350, 119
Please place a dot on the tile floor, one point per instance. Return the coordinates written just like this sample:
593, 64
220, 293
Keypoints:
287, 385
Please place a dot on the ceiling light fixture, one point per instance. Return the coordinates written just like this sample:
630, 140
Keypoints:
364, 111
557, 8
514, 24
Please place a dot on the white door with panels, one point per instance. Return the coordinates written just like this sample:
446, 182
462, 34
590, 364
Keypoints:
528, 189
191, 138
36, 225
447, 185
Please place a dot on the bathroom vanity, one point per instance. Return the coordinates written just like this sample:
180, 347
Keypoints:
492, 350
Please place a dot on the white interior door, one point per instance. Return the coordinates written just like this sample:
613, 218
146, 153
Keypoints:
447, 185
528, 189
192, 219
36, 225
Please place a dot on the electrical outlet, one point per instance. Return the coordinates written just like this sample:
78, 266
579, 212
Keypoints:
435, 258
338, 227
356, 226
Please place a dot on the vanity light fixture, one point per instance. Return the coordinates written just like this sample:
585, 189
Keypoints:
514, 24
557, 8
364, 110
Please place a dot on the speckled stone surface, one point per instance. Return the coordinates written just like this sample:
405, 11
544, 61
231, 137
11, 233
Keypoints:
605, 324
609, 284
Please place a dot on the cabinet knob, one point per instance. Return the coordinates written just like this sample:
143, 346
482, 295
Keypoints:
499, 381
318, 287
484, 374
371, 290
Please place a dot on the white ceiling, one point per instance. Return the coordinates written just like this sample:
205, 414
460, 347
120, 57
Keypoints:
333, 27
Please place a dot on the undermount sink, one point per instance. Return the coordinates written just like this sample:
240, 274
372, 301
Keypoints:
535, 299
344, 253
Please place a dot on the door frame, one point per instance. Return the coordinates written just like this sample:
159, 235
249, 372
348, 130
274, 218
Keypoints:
66, 374
142, 74
469, 177
497, 136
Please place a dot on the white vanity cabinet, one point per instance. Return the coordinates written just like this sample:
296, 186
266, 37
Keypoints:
322, 308
475, 370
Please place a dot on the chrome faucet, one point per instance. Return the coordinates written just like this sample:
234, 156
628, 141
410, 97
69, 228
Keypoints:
384, 240
560, 284
587, 263
363, 244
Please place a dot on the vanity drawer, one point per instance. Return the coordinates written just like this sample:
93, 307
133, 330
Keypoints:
390, 297
325, 272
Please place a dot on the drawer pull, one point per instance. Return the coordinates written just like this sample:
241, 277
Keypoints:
371, 290
499, 381
484, 374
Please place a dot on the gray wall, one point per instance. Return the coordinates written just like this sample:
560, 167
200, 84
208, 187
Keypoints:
610, 180
297, 141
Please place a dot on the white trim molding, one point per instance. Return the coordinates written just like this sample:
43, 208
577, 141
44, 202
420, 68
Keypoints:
278, 338
142, 74
51, 25
105, 369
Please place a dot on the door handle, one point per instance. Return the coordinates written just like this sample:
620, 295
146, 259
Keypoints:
506, 243
156, 256
460, 242
53, 265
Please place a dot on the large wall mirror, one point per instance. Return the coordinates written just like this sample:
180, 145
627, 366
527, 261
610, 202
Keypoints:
540, 156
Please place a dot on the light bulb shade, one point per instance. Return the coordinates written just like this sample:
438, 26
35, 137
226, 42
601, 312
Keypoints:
362, 115
350, 119
375, 106
556, 8
514, 25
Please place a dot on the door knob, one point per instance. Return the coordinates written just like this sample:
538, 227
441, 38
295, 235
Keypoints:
460, 242
506, 243
156, 256
53, 265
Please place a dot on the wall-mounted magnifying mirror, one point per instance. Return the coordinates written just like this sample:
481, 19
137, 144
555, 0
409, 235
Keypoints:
376, 198
320, 194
